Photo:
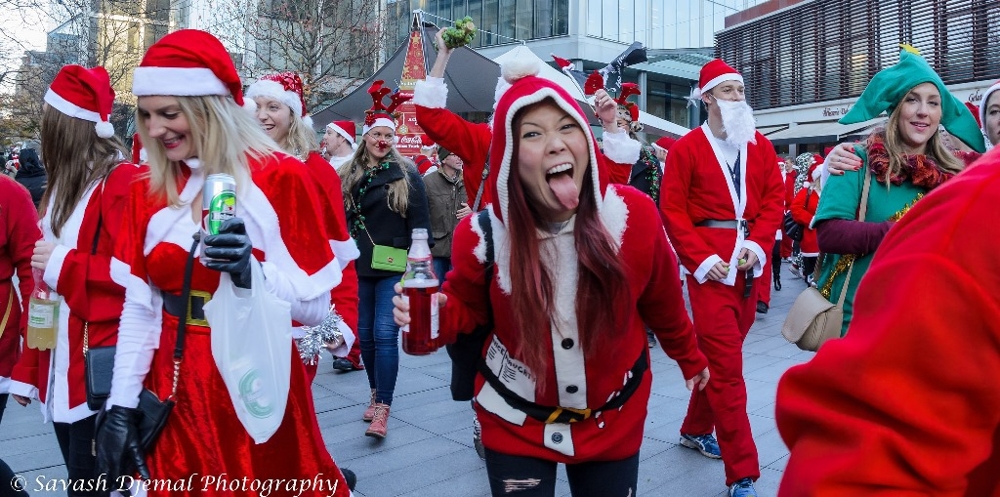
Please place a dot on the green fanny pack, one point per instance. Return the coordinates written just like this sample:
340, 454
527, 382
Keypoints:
387, 258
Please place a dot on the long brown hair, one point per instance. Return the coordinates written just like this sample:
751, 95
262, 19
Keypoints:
601, 286
935, 149
74, 157
352, 171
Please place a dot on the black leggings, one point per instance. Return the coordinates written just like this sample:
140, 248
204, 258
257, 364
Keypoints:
518, 476
808, 265
776, 260
76, 443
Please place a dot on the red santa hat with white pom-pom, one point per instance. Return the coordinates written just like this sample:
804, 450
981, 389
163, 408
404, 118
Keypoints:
714, 73
84, 94
285, 87
526, 88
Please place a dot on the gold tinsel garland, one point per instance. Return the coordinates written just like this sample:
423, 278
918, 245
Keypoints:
845, 261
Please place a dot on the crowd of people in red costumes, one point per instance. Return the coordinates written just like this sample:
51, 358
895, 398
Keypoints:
571, 253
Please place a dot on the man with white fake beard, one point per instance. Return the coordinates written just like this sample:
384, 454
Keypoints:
721, 199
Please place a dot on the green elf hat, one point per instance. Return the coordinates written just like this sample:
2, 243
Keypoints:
891, 84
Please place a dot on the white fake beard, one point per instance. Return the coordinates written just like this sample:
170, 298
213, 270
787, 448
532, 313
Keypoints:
738, 122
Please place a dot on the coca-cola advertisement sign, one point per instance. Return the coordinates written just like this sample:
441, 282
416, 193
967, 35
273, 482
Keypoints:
408, 132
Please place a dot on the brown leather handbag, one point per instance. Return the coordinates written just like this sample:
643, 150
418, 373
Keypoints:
813, 319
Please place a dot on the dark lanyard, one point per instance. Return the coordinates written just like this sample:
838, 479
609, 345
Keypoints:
734, 174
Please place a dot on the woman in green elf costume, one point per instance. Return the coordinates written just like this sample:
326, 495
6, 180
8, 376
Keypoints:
903, 161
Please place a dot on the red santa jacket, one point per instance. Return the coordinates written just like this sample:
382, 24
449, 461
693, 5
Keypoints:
655, 295
18, 234
344, 295
696, 187
908, 403
89, 296
789, 179
803, 209
467, 140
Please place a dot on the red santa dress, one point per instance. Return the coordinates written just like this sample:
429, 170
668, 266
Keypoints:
907, 403
344, 295
203, 435
696, 188
803, 210
18, 234
81, 275
572, 380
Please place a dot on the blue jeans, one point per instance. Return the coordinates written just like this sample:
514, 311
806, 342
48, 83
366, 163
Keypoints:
441, 267
379, 335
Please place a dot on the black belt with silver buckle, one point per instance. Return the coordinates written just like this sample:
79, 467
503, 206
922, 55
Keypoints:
192, 310
549, 415
725, 224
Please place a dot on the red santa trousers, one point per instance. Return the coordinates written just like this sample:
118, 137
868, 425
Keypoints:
722, 319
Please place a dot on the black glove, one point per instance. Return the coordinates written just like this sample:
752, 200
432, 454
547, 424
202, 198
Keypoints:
230, 251
117, 444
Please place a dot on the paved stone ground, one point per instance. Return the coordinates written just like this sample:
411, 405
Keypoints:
429, 448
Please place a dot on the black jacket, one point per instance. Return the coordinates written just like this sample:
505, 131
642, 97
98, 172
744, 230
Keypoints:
32, 176
646, 175
385, 226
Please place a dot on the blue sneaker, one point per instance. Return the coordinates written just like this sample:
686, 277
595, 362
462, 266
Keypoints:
742, 488
706, 444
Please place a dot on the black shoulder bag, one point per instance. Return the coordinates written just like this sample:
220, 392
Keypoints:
155, 412
793, 229
467, 350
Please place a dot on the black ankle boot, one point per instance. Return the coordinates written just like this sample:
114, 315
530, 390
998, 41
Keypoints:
777, 283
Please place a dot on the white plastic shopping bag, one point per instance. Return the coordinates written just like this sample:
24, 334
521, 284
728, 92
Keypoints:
252, 347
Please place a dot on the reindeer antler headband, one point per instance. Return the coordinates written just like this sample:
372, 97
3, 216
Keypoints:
379, 114
629, 110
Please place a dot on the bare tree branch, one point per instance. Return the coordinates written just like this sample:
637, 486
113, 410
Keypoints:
332, 44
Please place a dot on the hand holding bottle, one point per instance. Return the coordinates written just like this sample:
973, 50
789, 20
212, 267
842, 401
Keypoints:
401, 308
420, 289
41, 255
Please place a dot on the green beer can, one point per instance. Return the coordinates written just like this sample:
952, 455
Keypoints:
218, 201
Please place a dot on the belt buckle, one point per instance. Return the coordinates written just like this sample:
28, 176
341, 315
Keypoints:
743, 225
559, 410
206, 297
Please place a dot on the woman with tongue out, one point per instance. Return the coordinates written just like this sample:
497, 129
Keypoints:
579, 268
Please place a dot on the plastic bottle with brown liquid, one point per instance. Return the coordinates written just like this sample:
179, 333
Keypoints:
43, 315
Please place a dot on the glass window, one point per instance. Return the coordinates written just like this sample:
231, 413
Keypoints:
543, 19
626, 22
506, 25
476, 13
561, 25
594, 18
610, 25
491, 13
641, 22
522, 29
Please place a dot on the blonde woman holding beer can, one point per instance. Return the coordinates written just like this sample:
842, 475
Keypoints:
191, 121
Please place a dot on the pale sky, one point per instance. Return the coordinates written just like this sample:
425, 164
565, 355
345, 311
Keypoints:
24, 29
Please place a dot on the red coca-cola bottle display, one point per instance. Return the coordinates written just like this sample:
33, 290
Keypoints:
420, 288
